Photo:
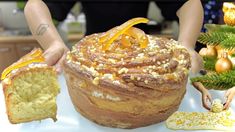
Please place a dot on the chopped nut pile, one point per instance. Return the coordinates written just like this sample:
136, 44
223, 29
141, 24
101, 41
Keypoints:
201, 120
217, 106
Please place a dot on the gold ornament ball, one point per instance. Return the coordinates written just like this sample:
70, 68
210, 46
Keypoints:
229, 17
203, 52
210, 51
223, 64
228, 6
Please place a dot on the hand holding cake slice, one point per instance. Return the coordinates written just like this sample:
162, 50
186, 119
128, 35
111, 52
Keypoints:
30, 87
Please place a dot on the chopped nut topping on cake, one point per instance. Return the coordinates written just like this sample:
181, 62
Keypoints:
96, 81
146, 81
157, 59
112, 61
108, 76
97, 94
112, 98
132, 77
92, 70
158, 62
116, 82
123, 70
103, 96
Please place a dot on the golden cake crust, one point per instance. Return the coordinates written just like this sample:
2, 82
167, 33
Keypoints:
127, 87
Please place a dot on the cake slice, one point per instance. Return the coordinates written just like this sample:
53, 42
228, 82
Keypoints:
30, 87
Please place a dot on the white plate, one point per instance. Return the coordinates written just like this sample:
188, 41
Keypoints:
71, 121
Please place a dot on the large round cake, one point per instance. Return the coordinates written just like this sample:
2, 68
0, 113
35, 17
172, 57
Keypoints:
127, 87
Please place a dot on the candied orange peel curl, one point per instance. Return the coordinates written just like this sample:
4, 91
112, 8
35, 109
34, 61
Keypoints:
126, 28
32, 57
139, 35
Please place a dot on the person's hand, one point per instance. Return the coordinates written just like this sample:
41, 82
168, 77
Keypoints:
229, 97
196, 61
206, 99
55, 55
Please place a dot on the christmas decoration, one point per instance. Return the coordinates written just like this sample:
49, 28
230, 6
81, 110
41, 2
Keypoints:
223, 64
229, 13
203, 52
210, 51
209, 63
224, 39
220, 72
228, 6
218, 81
229, 17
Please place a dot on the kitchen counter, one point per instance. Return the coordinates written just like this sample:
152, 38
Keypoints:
71, 38
30, 39
14, 47
71, 121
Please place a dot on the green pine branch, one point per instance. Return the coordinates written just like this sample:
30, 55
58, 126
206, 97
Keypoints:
232, 55
228, 43
219, 28
213, 38
225, 40
218, 81
209, 63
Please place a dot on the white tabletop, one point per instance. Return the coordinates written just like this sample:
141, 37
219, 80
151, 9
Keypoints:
71, 121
